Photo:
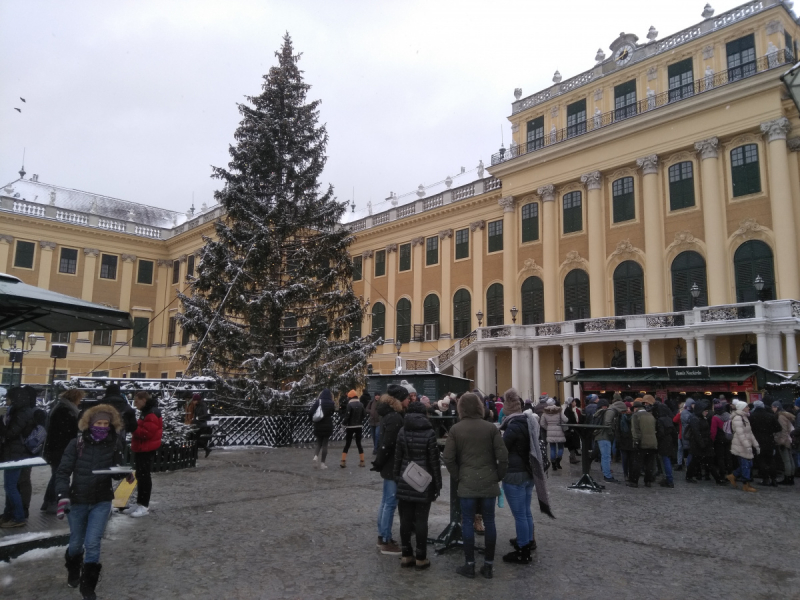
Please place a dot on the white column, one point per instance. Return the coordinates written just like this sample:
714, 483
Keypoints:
775, 352
480, 371
576, 364
691, 357
537, 373
791, 352
645, 353
458, 367
491, 362
763, 351
630, 359
516, 369
702, 354
566, 370
711, 351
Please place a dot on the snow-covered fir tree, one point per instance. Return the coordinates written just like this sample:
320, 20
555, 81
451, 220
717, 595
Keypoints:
272, 301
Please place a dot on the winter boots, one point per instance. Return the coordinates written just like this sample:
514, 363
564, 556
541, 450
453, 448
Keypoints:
478, 525
361, 457
573, 459
467, 570
520, 556
91, 573
343, 464
732, 479
556, 462
786, 481
73, 564
748, 488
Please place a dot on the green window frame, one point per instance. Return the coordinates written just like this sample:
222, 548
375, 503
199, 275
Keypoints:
380, 263
358, 263
108, 266
190, 266
532, 301
23, 257
741, 56
172, 327
745, 171
687, 269
405, 258
68, 261
462, 314
535, 133
680, 78
494, 305
681, 185
495, 237
176, 271
623, 200
430, 309
403, 321
145, 272
576, 295
102, 337
530, 222
462, 243
625, 100
432, 250
751, 259
576, 118
186, 337
379, 320
141, 325
355, 331
628, 289
573, 212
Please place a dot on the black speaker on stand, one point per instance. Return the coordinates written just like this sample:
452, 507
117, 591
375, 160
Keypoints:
56, 351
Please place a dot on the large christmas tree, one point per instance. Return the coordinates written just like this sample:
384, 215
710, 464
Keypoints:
272, 309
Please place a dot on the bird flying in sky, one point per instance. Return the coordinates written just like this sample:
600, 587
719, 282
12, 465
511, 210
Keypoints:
19, 110
23, 99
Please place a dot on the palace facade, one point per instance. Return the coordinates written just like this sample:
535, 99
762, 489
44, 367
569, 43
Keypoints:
645, 214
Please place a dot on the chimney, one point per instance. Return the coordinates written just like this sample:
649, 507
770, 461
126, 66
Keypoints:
35, 177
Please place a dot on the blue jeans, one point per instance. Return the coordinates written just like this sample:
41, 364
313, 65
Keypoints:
386, 510
14, 506
87, 523
375, 435
556, 450
468, 506
743, 470
605, 458
519, 501
667, 462
680, 451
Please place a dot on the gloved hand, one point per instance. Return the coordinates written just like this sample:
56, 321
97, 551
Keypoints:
63, 508
131, 477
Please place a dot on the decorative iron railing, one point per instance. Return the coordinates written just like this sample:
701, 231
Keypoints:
471, 338
728, 313
653, 102
274, 431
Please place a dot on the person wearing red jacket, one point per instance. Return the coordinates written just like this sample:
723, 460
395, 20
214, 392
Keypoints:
146, 439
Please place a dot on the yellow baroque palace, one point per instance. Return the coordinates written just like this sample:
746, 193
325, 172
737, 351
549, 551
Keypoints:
645, 214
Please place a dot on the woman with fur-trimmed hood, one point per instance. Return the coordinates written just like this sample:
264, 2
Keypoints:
86, 499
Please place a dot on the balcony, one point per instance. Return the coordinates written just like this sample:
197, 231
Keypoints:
599, 121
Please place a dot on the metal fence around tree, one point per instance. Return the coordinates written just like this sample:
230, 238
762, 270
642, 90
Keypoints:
274, 431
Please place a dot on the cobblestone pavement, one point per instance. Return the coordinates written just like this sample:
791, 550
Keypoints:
262, 523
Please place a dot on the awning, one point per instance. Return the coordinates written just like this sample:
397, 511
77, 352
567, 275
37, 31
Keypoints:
715, 374
26, 307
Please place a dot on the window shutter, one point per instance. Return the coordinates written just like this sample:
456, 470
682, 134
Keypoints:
494, 305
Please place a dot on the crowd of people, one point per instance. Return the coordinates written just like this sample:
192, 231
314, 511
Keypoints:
83, 445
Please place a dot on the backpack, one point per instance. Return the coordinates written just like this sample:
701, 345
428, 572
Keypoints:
34, 442
727, 428
599, 416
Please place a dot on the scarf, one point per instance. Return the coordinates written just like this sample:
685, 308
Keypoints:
99, 433
70, 406
537, 468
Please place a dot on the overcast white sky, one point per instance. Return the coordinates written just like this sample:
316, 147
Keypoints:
137, 99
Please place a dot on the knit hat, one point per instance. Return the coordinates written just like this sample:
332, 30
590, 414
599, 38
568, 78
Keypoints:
112, 389
758, 404
592, 397
719, 406
99, 416
444, 403
739, 405
602, 403
326, 395
617, 397
550, 402
513, 404
629, 404
416, 407
638, 404
648, 399
425, 400
196, 396
398, 392
352, 394
777, 404
409, 388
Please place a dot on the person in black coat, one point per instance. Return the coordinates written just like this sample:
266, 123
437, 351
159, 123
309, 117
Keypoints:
199, 422
765, 425
113, 397
353, 422
15, 426
667, 437
416, 441
323, 429
701, 444
62, 429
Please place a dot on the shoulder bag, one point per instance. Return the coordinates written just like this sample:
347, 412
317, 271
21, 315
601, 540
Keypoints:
414, 475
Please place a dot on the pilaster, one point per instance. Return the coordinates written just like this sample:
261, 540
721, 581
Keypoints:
714, 224
547, 194
477, 250
510, 245
653, 234
597, 243
45, 263
446, 303
391, 290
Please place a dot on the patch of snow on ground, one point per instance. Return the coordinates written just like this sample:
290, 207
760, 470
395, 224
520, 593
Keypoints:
35, 554
27, 537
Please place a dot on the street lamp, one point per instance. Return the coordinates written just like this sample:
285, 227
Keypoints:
759, 285
479, 314
695, 290
15, 354
398, 344
559, 376
514, 312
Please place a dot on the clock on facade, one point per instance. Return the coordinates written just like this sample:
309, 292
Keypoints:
624, 54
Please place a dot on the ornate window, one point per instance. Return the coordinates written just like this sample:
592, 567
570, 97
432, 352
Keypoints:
688, 268
462, 314
741, 57
750, 260
405, 257
576, 118
624, 203
494, 305
403, 320
576, 295
462, 243
495, 236
628, 289
379, 320
432, 251
681, 185
681, 80
430, 309
532, 301
745, 173
530, 222
625, 100
573, 215
536, 133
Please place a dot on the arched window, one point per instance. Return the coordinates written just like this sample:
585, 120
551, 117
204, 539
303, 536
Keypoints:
532, 301
752, 259
403, 320
628, 289
462, 314
688, 268
431, 309
379, 320
494, 305
576, 295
